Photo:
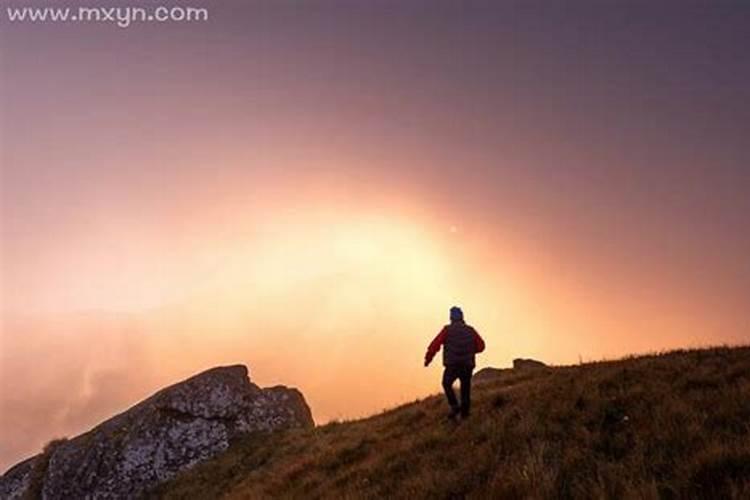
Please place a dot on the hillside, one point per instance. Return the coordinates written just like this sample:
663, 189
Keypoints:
672, 425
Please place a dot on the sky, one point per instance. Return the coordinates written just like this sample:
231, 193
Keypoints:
306, 187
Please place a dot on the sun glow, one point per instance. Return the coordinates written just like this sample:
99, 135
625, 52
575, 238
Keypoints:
343, 265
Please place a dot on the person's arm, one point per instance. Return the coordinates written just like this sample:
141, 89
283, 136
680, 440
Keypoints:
434, 347
478, 342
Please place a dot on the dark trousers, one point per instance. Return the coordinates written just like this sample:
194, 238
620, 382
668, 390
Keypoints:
462, 373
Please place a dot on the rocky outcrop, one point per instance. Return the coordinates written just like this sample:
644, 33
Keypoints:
16, 482
525, 364
172, 430
487, 374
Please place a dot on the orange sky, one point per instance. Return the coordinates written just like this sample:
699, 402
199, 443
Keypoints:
308, 191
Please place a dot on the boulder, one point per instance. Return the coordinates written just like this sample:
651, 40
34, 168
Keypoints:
525, 364
172, 430
16, 481
487, 374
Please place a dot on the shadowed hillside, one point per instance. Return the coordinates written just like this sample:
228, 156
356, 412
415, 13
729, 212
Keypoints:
673, 425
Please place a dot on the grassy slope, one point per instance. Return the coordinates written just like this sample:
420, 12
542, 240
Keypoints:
672, 426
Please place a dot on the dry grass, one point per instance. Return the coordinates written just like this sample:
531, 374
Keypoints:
673, 425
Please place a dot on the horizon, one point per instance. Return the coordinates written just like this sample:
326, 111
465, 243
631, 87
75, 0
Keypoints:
306, 188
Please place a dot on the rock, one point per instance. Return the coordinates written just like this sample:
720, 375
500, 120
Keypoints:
172, 430
525, 364
16, 481
487, 374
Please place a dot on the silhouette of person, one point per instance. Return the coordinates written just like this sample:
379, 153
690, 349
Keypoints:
460, 344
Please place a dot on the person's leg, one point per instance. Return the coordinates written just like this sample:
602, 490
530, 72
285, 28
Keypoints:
465, 377
449, 376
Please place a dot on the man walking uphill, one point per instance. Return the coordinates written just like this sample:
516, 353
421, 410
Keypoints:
460, 343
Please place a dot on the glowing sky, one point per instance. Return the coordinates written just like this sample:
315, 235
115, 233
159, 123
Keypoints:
306, 187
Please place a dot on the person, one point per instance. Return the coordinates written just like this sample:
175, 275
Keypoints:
460, 344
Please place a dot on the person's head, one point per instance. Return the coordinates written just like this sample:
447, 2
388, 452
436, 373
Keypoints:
457, 315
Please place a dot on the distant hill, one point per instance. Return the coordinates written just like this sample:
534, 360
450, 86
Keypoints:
672, 425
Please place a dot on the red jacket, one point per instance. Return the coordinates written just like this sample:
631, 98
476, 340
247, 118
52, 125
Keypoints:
460, 343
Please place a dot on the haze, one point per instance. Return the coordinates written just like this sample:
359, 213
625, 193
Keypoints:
307, 187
